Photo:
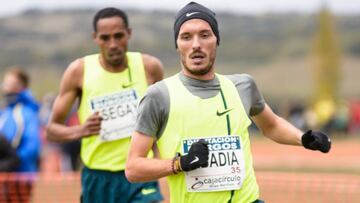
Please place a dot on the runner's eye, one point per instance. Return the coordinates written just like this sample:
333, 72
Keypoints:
104, 37
119, 36
205, 34
185, 37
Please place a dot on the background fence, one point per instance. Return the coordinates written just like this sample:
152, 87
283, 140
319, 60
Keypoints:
40, 188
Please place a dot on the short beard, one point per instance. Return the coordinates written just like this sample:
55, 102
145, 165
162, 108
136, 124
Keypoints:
199, 72
116, 63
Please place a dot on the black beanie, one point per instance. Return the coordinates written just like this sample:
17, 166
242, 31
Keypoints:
194, 10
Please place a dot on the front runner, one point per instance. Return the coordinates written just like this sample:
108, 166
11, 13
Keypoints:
203, 118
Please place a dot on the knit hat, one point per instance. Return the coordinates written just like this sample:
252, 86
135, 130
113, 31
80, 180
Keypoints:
194, 10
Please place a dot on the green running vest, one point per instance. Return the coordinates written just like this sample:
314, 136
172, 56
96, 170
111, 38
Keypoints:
189, 117
95, 153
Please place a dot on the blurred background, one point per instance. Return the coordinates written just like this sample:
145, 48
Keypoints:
304, 56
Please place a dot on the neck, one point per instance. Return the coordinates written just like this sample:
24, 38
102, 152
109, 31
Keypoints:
111, 67
208, 76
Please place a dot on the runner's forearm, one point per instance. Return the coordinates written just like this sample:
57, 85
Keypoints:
142, 169
276, 128
60, 133
285, 133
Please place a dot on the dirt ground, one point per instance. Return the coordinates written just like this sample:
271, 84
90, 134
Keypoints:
342, 158
292, 174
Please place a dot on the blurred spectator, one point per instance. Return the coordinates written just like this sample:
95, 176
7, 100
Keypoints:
339, 122
19, 119
324, 110
9, 161
19, 124
354, 125
297, 115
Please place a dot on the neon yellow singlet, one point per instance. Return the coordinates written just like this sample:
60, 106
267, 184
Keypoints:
190, 117
99, 84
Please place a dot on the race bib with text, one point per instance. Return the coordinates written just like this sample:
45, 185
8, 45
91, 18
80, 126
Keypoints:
226, 169
118, 111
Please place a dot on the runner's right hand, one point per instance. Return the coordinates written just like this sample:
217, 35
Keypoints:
91, 126
197, 157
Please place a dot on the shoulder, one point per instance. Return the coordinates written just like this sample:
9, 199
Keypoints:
76, 67
73, 74
242, 80
150, 60
249, 93
157, 94
151, 63
153, 68
158, 91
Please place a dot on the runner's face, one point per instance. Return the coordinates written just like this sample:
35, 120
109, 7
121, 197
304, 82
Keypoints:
112, 37
197, 47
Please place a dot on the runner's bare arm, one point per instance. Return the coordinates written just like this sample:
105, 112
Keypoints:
153, 69
70, 88
276, 128
139, 168
164, 187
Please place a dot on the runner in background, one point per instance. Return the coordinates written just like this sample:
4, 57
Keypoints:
108, 86
200, 119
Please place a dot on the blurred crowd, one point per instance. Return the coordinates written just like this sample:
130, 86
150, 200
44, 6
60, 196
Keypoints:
337, 119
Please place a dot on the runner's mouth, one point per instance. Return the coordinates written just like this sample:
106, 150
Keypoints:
197, 56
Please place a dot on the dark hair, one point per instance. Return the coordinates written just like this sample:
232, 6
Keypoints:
20, 74
110, 12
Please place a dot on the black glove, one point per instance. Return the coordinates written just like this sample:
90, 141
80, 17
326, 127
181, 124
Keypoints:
197, 157
316, 141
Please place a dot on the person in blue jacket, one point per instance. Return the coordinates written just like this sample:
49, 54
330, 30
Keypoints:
19, 121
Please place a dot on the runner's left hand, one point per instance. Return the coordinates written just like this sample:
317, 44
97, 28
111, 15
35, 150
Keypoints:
197, 157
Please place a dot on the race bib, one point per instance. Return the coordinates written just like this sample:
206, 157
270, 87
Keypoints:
118, 111
226, 169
